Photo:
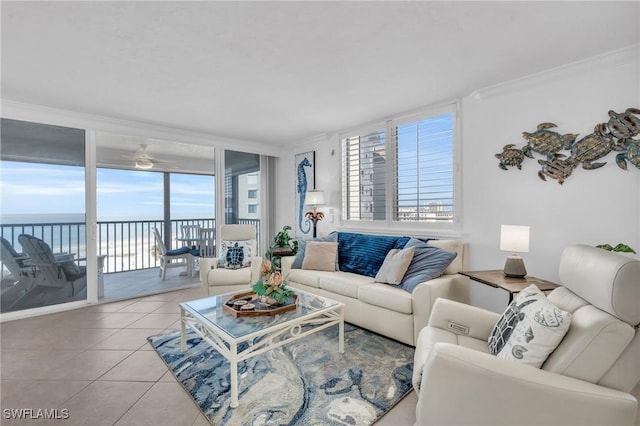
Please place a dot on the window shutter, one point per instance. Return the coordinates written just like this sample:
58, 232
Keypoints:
364, 172
424, 170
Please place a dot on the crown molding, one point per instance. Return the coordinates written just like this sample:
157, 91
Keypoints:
625, 55
61, 117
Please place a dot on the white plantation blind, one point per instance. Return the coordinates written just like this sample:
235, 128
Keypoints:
423, 175
402, 172
364, 172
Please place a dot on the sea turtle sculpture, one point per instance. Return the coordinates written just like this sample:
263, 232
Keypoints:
510, 157
546, 142
624, 124
631, 152
557, 168
593, 147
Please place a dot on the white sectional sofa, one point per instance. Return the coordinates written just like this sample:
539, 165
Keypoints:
383, 308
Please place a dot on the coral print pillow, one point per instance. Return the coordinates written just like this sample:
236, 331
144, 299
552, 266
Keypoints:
530, 328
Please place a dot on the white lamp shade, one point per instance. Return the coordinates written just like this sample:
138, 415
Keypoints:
514, 238
314, 198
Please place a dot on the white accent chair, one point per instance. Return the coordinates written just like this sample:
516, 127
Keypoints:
190, 234
207, 242
220, 280
54, 272
19, 281
585, 381
179, 258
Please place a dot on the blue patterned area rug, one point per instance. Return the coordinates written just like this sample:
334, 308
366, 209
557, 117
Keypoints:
305, 382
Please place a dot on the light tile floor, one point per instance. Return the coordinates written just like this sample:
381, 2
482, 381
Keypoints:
96, 363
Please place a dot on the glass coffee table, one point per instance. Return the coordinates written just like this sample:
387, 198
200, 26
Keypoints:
240, 338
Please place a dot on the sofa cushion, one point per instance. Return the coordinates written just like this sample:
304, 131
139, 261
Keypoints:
343, 283
595, 341
364, 254
302, 247
395, 265
222, 276
320, 256
529, 329
428, 263
386, 296
178, 251
307, 277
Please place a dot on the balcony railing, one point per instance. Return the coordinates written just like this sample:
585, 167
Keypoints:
127, 245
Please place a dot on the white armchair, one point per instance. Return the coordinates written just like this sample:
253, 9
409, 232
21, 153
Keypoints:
586, 379
220, 280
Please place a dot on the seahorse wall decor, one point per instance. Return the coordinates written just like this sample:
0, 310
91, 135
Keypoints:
618, 134
303, 162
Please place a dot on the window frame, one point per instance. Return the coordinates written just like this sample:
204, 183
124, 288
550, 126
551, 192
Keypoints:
389, 224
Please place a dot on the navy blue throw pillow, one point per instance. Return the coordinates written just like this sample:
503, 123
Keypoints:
364, 254
428, 263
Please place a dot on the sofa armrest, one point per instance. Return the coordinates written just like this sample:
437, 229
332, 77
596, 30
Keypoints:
478, 321
207, 264
449, 286
462, 386
285, 265
256, 264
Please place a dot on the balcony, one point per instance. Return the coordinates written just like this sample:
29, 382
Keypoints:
130, 266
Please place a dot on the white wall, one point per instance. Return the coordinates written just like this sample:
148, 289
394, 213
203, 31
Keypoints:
592, 207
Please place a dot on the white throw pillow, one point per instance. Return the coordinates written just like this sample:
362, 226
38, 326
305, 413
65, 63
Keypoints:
529, 329
320, 256
395, 265
236, 254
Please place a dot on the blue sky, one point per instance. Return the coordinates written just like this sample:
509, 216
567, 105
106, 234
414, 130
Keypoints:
31, 188
425, 139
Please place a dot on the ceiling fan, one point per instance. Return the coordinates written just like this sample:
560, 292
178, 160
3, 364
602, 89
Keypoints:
143, 161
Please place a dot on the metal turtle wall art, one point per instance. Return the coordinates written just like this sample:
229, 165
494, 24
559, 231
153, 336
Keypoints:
631, 153
619, 134
546, 142
510, 157
593, 147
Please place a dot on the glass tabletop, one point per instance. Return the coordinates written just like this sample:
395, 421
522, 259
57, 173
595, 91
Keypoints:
210, 310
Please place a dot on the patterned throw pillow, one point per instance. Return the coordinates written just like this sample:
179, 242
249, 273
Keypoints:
529, 329
236, 254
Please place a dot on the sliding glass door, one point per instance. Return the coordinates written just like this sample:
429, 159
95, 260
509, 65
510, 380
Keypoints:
144, 185
242, 188
42, 225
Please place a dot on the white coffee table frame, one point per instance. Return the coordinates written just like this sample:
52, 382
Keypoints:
271, 336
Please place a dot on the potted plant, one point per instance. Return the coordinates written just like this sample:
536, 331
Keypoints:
283, 245
271, 286
621, 248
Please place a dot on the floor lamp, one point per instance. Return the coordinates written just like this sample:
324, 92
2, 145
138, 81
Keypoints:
314, 198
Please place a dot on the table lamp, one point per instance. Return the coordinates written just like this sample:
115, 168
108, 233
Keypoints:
514, 239
314, 198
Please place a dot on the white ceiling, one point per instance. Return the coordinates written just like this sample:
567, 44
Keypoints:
281, 72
